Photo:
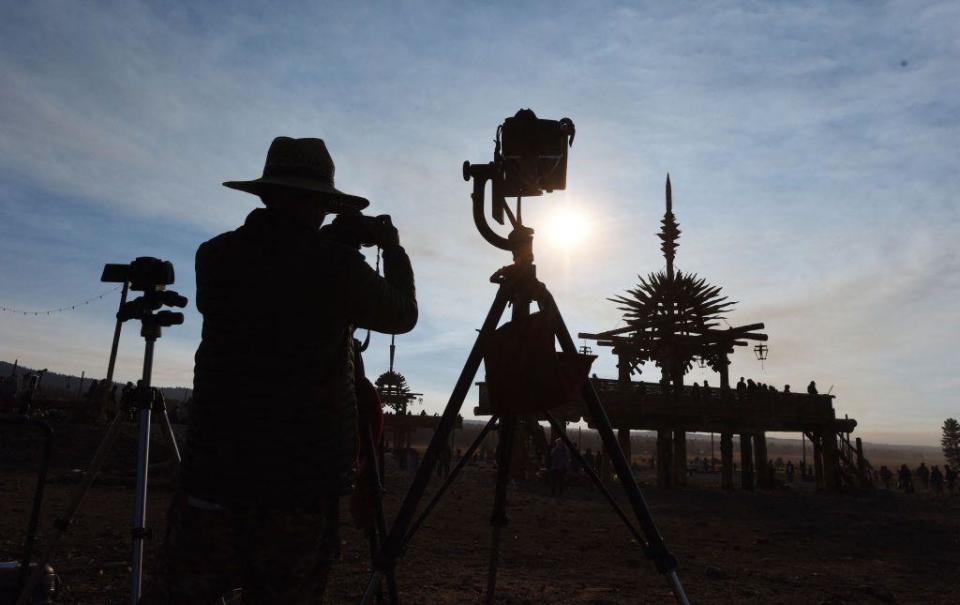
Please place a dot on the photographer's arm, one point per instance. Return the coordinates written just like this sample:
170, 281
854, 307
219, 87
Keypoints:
385, 304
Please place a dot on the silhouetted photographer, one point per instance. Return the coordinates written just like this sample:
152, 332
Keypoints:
272, 433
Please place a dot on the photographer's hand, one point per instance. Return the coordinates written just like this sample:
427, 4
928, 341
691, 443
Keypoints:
387, 235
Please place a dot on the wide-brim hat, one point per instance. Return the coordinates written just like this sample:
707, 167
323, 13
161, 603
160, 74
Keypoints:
303, 165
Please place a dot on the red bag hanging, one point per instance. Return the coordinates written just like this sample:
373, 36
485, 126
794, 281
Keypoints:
525, 373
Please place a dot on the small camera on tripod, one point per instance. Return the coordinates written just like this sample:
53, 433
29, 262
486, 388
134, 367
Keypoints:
145, 273
151, 276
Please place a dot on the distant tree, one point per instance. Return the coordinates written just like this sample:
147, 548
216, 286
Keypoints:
951, 441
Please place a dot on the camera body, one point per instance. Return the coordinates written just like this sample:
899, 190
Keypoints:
145, 273
531, 155
358, 230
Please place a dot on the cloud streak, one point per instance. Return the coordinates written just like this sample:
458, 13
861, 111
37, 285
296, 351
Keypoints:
813, 149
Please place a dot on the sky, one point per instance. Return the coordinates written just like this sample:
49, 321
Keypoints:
813, 150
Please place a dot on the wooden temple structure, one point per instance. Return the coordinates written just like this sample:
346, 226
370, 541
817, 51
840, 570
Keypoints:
673, 322
399, 425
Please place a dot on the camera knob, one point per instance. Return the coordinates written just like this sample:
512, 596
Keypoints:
466, 171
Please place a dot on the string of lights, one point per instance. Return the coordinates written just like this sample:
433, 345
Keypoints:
60, 309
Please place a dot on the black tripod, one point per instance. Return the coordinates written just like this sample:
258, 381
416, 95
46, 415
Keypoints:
518, 285
146, 401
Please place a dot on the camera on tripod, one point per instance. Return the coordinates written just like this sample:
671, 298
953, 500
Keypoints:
529, 159
151, 276
145, 273
533, 154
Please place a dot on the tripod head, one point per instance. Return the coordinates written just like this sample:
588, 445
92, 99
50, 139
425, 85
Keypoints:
147, 308
529, 159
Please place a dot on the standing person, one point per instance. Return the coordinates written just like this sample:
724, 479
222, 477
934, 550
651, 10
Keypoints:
951, 476
789, 471
588, 459
559, 465
885, 475
923, 474
905, 479
741, 385
443, 460
272, 433
936, 480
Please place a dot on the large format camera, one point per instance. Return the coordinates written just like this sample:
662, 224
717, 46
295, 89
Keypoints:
532, 154
529, 159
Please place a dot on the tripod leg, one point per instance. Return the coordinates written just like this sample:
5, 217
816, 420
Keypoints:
450, 478
657, 550
62, 524
140, 505
498, 520
393, 546
376, 491
171, 436
143, 465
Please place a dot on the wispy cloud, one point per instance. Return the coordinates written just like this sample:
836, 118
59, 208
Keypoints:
813, 149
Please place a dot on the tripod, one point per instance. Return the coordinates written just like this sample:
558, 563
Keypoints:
147, 400
518, 286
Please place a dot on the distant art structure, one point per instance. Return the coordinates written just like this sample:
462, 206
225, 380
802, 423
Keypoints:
397, 396
672, 321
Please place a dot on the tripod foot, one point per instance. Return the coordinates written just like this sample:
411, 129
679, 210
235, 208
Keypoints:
677, 588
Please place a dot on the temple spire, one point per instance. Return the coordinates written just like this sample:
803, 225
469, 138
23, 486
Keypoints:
669, 231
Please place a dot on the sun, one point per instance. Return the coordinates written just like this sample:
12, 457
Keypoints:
567, 227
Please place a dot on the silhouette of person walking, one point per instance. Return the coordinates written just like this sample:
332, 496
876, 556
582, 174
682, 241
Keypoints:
923, 474
559, 465
936, 480
905, 479
885, 475
272, 431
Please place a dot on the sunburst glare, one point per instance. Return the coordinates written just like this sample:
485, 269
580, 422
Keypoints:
567, 227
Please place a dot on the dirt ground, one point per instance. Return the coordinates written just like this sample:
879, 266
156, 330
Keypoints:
779, 546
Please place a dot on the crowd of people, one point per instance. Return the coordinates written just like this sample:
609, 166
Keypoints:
930, 479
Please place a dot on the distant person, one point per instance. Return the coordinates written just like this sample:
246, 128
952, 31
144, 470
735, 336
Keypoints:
789, 470
413, 460
885, 476
559, 465
92, 391
923, 474
951, 475
443, 459
905, 479
741, 385
936, 480
272, 434
786, 389
812, 388
706, 385
588, 459
751, 385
